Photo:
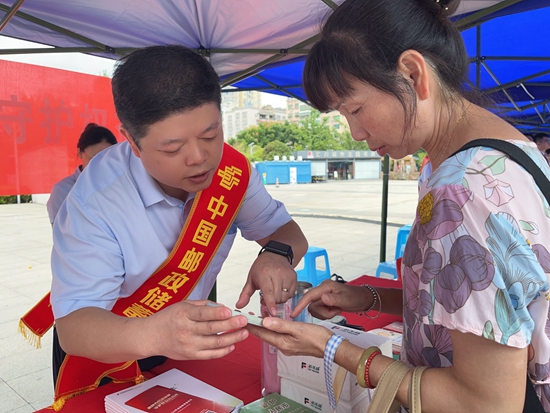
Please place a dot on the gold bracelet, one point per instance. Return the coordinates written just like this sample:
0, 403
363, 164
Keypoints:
361, 366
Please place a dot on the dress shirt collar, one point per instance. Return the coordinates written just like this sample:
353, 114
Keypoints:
149, 190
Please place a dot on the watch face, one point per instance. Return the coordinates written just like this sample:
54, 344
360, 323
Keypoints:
280, 249
279, 246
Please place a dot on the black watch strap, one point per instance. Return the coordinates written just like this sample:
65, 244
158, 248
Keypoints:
279, 248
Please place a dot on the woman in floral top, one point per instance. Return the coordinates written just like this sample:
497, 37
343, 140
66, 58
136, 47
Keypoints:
475, 267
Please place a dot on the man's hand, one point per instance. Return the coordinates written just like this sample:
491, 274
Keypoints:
187, 330
193, 330
273, 275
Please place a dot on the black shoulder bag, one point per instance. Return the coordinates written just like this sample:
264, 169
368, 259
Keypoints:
532, 401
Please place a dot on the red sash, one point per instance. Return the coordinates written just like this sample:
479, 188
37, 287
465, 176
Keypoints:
211, 216
37, 321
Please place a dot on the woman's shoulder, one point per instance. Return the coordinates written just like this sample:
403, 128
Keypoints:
484, 163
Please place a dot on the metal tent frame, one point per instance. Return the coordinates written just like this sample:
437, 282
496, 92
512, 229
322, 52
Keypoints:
78, 37
270, 52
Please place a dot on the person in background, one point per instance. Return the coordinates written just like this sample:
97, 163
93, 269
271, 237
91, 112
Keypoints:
475, 267
93, 140
161, 212
543, 143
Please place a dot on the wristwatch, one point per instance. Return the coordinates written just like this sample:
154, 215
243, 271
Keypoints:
279, 248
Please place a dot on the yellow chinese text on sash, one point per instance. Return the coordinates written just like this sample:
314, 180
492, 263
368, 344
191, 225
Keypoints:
211, 216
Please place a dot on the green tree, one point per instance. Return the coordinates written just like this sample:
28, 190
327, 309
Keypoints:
253, 141
348, 143
253, 152
312, 133
315, 134
419, 156
276, 148
12, 199
267, 132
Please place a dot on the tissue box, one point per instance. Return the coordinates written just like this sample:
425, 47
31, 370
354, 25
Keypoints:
310, 372
318, 401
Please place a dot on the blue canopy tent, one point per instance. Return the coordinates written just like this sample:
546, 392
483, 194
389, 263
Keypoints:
510, 63
262, 44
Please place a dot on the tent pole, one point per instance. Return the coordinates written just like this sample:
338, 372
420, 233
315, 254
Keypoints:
260, 89
253, 69
515, 82
42, 50
331, 4
384, 218
282, 89
11, 12
503, 90
478, 57
479, 16
59, 29
534, 105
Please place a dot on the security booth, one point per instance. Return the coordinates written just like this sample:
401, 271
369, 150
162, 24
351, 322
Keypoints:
284, 172
342, 165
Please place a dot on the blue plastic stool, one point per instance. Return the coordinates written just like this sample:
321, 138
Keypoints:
387, 269
402, 236
311, 272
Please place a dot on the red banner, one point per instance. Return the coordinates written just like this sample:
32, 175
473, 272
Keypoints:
43, 111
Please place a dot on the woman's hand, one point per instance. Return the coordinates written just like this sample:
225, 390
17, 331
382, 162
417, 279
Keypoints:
293, 338
330, 298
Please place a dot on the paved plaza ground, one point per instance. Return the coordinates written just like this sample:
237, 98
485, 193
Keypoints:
343, 217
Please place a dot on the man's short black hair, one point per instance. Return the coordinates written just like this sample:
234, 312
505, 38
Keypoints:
153, 83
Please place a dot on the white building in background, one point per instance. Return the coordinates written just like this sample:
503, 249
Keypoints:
241, 110
247, 99
336, 121
240, 119
297, 110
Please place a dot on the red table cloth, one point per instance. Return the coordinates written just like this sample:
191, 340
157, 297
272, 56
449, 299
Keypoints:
237, 374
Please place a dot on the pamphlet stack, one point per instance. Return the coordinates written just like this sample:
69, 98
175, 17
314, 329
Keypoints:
172, 392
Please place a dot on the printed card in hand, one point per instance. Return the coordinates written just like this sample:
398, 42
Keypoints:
252, 319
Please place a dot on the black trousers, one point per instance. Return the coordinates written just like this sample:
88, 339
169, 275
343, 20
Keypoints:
58, 355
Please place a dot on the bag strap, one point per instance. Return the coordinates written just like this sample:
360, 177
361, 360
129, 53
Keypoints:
415, 405
532, 402
518, 156
383, 400
338, 384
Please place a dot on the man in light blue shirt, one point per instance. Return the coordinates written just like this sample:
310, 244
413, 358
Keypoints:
59, 192
92, 140
125, 213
